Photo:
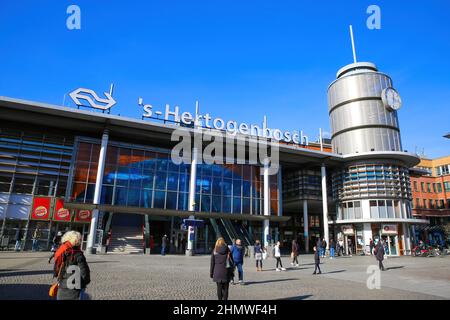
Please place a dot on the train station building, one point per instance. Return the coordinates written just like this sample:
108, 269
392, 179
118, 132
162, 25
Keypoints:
113, 178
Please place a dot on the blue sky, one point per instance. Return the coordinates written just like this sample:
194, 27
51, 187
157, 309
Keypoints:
241, 59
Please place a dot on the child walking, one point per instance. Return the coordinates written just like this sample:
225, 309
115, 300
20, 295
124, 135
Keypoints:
258, 255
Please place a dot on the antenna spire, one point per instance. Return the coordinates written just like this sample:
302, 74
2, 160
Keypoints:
353, 44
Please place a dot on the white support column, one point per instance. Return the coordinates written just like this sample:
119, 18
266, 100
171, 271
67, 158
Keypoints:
306, 225
266, 202
98, 192
407, 237
367, 235
325, 204
192, 185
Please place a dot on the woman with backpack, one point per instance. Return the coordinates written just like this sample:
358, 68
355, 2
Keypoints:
221, 269
259, 250
69, 255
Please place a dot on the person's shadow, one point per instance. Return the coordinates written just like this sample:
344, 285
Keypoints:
269, 281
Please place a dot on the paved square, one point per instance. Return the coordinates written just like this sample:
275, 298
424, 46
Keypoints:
28, 276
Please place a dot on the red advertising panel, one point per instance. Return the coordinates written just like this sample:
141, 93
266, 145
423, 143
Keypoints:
83, 216
61, 213
41, 208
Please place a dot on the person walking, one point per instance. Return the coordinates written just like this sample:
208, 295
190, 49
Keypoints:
163, 245
55, 246
36, 237
319, 246
294, 253
259, 250
324, 248
237, 251
316, 261
69, 254
332, 246
341, 247
277, 255
350, 247
18, 238
371, 245
379, 254
220, 269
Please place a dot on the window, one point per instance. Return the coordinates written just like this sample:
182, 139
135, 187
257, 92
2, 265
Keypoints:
373, 209
447, 186
415, 186
439, 187
429, 187
434, 187
422, 186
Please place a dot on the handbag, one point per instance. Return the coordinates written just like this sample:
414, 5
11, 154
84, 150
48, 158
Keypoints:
54, 287
229, 263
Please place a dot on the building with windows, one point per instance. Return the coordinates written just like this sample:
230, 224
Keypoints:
113, 178
430, 182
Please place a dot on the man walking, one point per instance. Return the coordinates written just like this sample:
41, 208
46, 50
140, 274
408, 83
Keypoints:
379, 254
18, 239
371, 246
341, 247
163, 245
237, 251
324, 248
316, 261
36, 237
332, 246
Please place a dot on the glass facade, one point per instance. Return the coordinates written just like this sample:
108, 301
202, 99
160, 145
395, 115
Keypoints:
146, 177
371, 180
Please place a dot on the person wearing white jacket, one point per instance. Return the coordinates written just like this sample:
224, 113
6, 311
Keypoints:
277, 255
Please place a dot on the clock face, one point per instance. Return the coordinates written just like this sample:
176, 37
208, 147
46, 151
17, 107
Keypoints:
391, 99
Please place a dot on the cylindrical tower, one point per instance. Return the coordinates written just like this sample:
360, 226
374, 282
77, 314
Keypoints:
372, 188
360, 119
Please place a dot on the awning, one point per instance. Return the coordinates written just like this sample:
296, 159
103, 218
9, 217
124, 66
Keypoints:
173, 213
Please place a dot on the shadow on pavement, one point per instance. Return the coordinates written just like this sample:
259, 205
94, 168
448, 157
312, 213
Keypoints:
24, 291
268, 281
24, 273
393, 268
298, 297
337, 271
92, 262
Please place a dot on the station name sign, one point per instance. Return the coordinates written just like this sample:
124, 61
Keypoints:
175, 115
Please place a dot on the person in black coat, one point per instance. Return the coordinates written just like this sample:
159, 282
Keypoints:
316, 261
18, 238
379, 254
68, 255
219, 272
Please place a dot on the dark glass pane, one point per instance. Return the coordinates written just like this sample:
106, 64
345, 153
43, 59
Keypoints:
216, 205
81, 171
78, 192
206, 203
171, 200
160, 197
172, 181
246, 189
183, 201
227, 171
173, 167
120, 198
109, 174
160, 180
217, 186
107, 195
227, 187
84, 152
206, 185
162, 162
90, 192
184, 183
246, 205
146, 199
226, 204
147, 181
133, 197
237, 185
236, 205
111, 155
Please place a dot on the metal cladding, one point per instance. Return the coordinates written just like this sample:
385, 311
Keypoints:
359, 120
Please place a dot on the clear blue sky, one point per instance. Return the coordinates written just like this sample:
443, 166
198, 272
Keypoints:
241, 58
